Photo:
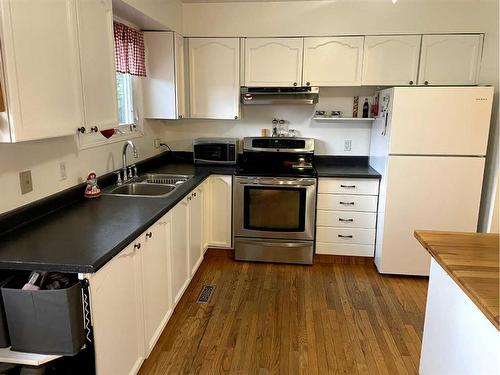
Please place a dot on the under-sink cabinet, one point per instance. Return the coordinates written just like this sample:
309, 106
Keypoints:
346, 216
133, 296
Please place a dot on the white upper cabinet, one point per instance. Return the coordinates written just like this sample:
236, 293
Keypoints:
214, 84
95, 33
43, 87
391, 60
450, 59
163, 88
273, 62
333, 61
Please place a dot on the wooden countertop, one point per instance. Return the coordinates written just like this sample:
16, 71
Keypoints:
472, 260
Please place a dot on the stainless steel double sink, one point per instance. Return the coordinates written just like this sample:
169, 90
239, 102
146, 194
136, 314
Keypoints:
150, 185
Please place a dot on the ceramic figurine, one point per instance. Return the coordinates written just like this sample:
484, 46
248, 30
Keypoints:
92, 190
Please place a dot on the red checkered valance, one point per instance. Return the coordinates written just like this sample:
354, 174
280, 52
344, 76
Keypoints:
129, 50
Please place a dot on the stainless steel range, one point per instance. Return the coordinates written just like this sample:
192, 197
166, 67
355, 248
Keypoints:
274, 201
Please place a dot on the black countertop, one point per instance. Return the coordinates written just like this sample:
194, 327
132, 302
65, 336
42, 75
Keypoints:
344, 167
85, 235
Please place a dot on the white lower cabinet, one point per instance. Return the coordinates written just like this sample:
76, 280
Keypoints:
180, 246
195, 229
346, 216
117, 314
220, 211
157, 298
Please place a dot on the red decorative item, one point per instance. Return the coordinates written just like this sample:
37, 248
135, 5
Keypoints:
108, 133
129, 50
92, 190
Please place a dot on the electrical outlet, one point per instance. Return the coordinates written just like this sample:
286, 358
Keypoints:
347, 145
62, 171
25, 182
157, 142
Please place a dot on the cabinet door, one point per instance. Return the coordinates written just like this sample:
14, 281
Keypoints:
214, 86
206, 213
156, 280
195, 229
333, 61
220, 211
42, 68
117, 314
450, 59
391, 60
273, 62
180, 75
180, 248
97, 56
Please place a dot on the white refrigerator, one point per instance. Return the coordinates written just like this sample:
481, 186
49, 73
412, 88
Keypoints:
429, 145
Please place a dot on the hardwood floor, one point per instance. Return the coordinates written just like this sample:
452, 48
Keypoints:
286, 319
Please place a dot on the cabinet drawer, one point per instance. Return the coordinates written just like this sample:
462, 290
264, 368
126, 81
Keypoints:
349, 219
345, 249
340, 202
345, 235
366, 186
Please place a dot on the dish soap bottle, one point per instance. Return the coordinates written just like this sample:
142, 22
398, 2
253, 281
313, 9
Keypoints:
366, 108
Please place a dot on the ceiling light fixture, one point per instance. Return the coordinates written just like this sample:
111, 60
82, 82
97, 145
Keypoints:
394, 1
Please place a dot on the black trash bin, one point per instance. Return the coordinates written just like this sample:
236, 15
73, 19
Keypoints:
44, 321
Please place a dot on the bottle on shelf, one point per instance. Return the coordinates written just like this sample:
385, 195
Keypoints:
366, 108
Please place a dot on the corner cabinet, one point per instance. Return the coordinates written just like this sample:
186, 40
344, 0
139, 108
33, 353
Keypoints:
97, 61
391, 60
41, 66
450, 59
163, 88
214, 84
273, 62
335, 61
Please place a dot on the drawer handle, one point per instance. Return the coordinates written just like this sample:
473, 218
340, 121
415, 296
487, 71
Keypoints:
348, 186
349, 220
342, 236
137, 246
347, 203
149, 235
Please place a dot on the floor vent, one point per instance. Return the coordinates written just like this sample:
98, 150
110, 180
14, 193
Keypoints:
205, 294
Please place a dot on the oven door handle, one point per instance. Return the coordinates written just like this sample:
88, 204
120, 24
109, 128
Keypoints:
275, 183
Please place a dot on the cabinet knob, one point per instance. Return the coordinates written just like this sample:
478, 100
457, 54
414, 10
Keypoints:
411, 82
149, 235
189, 198
137, 246
81, 129
236, 117
308, 83
194, 194
426, 82
94, 129
295, 83
180, 116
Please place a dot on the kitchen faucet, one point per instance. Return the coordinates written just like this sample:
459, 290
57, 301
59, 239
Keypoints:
124, 158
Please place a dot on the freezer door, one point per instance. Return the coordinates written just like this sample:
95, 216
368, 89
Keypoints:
421, 192
440, 120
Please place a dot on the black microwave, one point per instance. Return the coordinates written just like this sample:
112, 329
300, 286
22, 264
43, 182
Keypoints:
215, 150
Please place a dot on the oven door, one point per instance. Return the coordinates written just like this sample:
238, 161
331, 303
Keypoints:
269, 207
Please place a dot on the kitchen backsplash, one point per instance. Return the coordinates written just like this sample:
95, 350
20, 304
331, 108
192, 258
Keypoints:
330, 136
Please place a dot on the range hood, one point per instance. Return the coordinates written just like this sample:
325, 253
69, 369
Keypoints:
279, 95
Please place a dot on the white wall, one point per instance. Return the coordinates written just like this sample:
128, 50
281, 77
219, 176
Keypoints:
43, 158
330, 136
165, 12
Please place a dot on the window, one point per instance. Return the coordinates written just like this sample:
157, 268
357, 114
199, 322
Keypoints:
125, 99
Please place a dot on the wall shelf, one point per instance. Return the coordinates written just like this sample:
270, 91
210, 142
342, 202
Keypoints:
341, 119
